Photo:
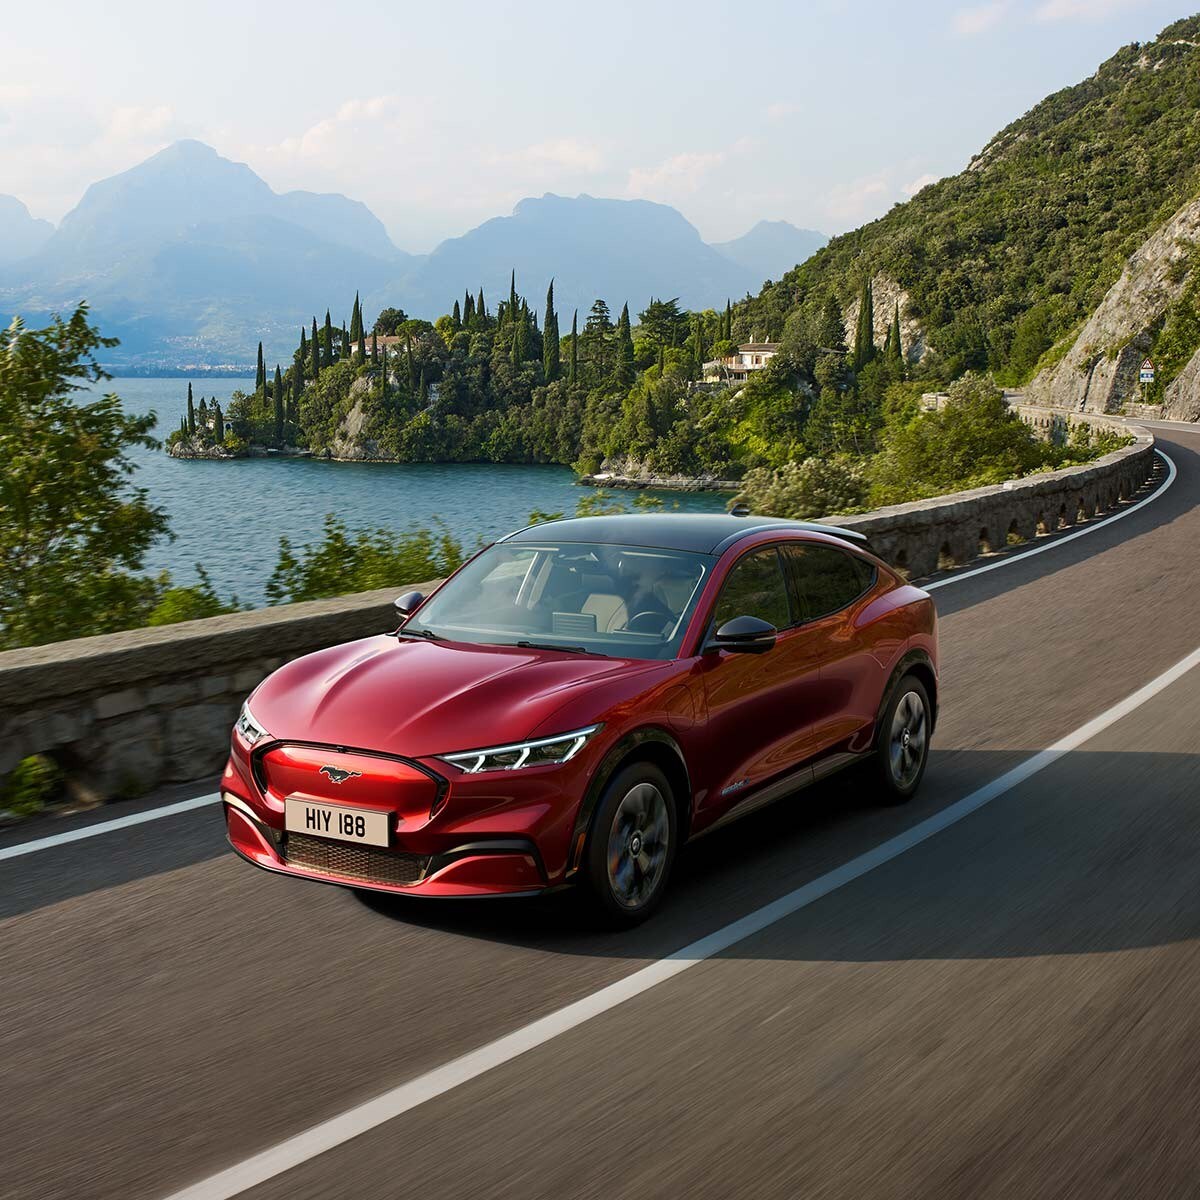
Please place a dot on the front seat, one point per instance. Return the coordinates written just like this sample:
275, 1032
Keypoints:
608, 609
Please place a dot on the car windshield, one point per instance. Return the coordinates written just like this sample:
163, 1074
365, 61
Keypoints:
630, 601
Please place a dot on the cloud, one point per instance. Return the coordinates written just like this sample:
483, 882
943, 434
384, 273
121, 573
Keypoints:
681, 173
968, 22
922, 181
849, 204
780, 110
566, 153
1080, 10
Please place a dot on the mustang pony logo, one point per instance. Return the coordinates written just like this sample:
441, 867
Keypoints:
338, 775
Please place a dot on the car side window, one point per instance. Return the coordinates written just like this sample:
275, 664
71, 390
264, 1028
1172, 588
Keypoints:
825, 580
755, 587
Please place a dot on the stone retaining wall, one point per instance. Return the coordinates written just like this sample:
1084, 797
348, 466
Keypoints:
126, 712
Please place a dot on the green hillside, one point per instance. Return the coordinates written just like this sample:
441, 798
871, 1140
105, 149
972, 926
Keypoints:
1005, 258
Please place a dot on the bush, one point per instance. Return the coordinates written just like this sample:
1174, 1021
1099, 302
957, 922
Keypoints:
361, 560
33, 782
813, 487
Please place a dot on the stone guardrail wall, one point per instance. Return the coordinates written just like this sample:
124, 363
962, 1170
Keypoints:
126, 712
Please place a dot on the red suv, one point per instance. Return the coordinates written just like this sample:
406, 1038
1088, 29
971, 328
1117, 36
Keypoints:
580, 699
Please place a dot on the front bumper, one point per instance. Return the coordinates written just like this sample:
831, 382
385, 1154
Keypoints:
498, 866
499, 833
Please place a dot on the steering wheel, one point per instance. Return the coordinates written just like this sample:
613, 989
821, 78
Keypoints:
652, 622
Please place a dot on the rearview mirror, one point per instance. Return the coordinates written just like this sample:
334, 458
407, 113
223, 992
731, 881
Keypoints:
745, 635
408, 604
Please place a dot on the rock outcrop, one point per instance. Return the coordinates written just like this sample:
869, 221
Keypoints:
1181, 399
1100, 371
886, 293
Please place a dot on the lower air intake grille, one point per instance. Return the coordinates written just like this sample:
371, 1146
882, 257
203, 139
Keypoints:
368, 863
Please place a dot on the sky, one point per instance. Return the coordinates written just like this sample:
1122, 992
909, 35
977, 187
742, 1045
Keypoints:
439, 116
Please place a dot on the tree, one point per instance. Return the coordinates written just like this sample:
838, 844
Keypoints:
831, 330
260, 376
388, 323
316, 353
75, 533
302, 353
597, 337
551, 352
626, 372
218, 424
278, 400
574, 377
356, 321
727, 332
327, 350
864, 331
663, 323
191, 412
895, 346
456, 318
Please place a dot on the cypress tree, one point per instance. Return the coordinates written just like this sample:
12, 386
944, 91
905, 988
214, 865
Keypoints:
356, 321
327, 354
864, 332
423, 391
662, 361
218, 423
278, 404
412, 366
302, 354
481, 307
374, 346
625, 368
468, 311
260, 378
456, 318
728, 321
897, 349
512, 294
383, 369
362, 347
191, 412
316, 353
551, 351
345, 344
574, 376
698, 340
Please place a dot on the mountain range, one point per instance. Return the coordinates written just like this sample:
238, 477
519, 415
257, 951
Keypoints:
191, 259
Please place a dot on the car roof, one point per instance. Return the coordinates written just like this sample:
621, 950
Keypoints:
701, 533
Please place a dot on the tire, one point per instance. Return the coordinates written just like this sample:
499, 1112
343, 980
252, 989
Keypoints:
902, 740
631, 846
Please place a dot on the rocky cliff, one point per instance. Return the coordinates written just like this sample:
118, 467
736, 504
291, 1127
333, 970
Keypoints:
1099, 373
886, 293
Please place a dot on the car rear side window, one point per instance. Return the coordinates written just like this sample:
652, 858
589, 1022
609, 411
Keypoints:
825, 580
755, 587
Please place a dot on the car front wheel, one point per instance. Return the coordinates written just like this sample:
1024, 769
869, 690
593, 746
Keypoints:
902, 740
632, 844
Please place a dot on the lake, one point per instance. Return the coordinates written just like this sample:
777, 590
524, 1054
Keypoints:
230, 515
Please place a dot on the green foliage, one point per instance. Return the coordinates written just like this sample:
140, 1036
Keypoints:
813, 487
190, 603
73, 531
1177, 340
360, 560
30, 785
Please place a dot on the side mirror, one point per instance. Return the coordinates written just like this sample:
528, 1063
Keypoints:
408, 604
745, 635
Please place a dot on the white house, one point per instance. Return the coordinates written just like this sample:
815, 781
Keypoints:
737, 368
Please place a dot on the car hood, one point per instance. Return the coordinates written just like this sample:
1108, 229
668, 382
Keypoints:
419, 698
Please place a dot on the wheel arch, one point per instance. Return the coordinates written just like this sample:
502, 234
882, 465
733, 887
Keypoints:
914, 662
649, 744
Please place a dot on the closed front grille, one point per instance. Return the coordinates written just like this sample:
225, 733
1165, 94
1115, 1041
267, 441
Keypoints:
371, 864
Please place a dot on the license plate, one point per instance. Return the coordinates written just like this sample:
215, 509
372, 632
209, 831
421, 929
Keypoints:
368, 826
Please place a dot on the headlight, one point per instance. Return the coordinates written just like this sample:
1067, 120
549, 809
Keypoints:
248, 728
540, 752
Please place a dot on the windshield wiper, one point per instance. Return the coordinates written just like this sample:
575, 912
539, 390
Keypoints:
427, 634
565, 649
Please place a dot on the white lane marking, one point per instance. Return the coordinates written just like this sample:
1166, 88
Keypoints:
326, 1135
153, 814
77, 835
1090, 527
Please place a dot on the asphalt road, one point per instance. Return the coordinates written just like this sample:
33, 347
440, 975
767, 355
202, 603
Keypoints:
1005, 1009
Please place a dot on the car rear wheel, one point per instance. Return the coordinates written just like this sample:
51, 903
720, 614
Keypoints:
632, 845
902, 740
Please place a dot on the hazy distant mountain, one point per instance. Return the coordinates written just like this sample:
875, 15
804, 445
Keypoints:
20, 234
191, 257
622, 250
772, 248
